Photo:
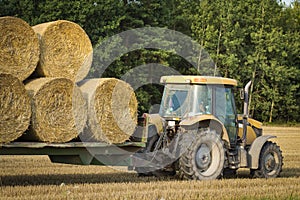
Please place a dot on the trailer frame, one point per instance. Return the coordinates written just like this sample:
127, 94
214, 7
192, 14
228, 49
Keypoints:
78, 153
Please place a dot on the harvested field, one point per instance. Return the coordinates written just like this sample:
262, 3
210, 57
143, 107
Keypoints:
15, 108
34, 177
66, 50
19, 48
58, 110
112, 110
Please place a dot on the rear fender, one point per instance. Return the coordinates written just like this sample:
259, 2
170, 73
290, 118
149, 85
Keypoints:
255, 149
206, 121
156, 120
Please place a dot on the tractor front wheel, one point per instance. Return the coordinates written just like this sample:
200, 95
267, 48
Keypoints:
204, 158
270, 162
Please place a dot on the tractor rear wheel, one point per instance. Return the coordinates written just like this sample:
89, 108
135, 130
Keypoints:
270, 162
204, 159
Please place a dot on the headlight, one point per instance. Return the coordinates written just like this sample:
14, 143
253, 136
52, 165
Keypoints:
171, 123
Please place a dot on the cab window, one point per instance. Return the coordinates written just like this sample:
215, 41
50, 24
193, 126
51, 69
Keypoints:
225, 110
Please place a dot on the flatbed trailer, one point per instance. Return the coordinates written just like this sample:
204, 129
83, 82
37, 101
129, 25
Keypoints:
79, 153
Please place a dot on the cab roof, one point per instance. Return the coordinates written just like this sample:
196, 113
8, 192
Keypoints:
198, 80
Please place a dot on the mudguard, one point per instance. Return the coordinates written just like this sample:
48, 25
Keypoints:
190, 121
156, 120
255, 149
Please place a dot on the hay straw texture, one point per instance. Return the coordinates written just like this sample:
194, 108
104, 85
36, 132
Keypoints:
19, 48
66, 50
59, 111
15, 110
112, 110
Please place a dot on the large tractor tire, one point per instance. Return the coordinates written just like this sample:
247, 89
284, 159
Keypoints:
270, 162
204, 158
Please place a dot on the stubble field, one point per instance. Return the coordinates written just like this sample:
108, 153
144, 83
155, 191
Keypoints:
35, 177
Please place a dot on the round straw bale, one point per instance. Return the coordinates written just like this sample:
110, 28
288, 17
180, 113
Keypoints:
19, 48
66, 50
59, 110
112, 110
15, 109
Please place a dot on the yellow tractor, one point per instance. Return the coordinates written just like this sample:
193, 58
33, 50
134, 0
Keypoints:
199, 135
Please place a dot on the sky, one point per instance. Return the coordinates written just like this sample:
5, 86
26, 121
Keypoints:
287, 2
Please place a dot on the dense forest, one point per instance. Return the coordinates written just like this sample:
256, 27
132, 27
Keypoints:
256, 40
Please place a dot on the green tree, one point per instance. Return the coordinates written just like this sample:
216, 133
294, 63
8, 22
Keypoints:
256, 40
253, 40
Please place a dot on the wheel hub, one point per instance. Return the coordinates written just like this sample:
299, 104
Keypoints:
270, 162
203, 157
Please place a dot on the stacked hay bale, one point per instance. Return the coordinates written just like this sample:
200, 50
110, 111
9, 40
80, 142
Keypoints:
19, 48
112, 110
66, 50
58, 110
60, 50
19, 55
15, 110
60, 54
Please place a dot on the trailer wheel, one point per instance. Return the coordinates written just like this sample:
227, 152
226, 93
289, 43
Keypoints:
270, 162
204, 158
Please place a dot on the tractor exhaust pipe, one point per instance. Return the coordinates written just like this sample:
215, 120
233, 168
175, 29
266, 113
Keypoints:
246, 113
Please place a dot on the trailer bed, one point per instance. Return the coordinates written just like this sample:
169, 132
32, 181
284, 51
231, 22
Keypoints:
83, 153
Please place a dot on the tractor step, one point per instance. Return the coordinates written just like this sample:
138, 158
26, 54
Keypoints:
233, 160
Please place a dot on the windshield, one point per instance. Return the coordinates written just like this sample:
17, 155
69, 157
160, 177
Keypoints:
186, 100
175, 101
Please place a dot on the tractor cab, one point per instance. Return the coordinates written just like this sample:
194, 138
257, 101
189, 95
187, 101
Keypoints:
189, 97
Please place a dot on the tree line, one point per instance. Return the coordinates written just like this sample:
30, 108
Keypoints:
257, 40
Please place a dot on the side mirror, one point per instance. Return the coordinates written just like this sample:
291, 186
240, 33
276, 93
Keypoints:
242, 94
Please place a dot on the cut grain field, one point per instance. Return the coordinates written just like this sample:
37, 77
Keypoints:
35, 177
